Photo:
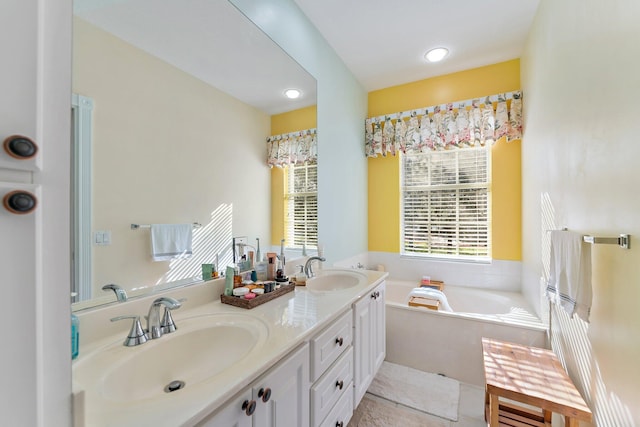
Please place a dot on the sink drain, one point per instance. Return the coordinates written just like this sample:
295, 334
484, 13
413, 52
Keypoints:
173, 386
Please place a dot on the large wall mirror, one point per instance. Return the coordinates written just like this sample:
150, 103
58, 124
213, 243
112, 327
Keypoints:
172, 107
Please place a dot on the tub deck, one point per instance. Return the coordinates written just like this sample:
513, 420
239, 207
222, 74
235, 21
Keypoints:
451, 343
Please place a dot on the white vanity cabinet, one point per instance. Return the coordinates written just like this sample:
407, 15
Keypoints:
369, 339
332, 373
234, 413
280, 398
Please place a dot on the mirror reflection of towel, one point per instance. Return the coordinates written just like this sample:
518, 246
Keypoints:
570, 273
170, 241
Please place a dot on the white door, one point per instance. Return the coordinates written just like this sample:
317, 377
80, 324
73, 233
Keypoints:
363, 358
234, 414
35, 47
379, 329
287, 401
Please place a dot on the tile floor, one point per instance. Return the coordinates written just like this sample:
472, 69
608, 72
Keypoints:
376, 412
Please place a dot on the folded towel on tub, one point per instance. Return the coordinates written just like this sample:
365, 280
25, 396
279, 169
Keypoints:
170, 241
431, 294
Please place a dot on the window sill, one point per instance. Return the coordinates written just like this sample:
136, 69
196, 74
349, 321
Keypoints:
433, 258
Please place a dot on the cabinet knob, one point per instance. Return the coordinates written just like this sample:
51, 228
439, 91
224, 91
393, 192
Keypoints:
20, 147
249, 407
340, 424
377, 294
340, 384
339, 341
20, 202
265, 394
373, 296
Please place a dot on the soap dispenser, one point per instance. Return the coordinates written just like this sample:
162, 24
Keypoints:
300, 277
75, 336
75, 332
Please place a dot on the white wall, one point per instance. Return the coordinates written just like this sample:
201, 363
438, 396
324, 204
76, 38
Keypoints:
580, 151
342, 107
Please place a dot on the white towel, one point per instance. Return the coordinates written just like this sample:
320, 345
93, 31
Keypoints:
570, 273
431, 294
169, 241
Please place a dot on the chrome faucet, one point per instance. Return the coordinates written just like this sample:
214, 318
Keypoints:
308, 270
137, 335
121, 295
156, 327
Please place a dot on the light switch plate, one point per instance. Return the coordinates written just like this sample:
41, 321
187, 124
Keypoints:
102, 237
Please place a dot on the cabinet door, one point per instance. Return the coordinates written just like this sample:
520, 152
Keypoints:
35, 46
232, 414
363, 362
287, 404
379, 341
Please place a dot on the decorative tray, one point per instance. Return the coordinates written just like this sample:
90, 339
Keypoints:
259, 299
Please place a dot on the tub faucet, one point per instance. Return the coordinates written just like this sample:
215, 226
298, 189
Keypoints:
121, 295
308, 270
155, 328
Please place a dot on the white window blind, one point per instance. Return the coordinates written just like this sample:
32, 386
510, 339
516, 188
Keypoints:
446, 203
301, 206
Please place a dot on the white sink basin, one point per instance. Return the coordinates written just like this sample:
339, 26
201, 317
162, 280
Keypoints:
336, 280
201, 348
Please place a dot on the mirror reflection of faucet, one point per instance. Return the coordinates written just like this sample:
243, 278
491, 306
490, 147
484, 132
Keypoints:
121, 294
308, 269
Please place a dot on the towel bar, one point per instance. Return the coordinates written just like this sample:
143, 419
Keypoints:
624, 240
138, 226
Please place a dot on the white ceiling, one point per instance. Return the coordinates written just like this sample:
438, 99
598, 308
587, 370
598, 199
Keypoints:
211, 40
383, 42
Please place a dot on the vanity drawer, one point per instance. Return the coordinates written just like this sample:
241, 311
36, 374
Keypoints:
327, 346
341, 414
331, 387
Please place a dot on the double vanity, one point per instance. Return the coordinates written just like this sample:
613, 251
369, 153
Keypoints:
305, 358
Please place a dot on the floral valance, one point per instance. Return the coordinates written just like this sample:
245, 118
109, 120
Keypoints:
461, 124
292, 148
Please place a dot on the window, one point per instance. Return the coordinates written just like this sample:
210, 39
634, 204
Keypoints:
301, 205
446, 204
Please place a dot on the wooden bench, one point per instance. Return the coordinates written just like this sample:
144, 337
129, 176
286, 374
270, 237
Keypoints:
534, 377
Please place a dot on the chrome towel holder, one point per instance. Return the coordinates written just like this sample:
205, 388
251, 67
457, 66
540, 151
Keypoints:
623, 240
138, 226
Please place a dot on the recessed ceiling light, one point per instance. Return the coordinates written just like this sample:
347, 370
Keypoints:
292, 93
437, 54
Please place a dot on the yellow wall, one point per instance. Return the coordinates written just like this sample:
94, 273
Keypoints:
304, 118
384, 179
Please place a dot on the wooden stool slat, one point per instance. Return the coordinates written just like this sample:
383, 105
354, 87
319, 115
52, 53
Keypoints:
533, 376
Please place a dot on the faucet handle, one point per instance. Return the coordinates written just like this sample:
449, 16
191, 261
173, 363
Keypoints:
137, 335
167, 324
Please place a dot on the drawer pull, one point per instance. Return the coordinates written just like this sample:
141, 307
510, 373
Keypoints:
20, 202
249, 407
339, 341
20, 147
265, 394
340, 384
340, 424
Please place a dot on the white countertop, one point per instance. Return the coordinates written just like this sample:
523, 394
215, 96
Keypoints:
291, 319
